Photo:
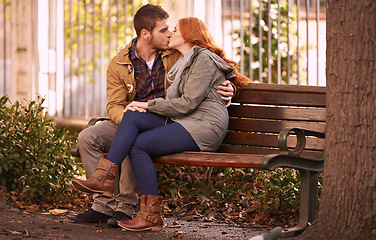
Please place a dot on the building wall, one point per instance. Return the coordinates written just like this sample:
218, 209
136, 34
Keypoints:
20, 50
177, 10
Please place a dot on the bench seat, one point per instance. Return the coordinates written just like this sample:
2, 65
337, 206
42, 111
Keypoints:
236, 160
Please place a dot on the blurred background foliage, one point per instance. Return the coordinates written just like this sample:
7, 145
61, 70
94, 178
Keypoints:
96, 29
280, 50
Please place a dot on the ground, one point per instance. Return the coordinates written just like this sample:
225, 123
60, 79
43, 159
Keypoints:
53, 224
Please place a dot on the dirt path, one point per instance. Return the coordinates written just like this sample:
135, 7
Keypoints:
15, 224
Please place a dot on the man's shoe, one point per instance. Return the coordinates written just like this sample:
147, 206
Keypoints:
90, 216
118, 216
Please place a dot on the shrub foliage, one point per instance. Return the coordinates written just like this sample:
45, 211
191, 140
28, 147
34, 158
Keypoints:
231, 194
34, 153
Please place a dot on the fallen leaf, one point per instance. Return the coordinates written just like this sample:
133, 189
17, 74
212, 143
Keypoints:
15, 232
174, 226
58, 211
32, 208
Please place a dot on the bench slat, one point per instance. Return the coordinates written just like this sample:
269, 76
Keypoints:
285, 88
269, 126
268, 140
211, 159
287, 113
264, 151
287, 99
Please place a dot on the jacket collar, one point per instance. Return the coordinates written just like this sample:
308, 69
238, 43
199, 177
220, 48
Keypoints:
123, 55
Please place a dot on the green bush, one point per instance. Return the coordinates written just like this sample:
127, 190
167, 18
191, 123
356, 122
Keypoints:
280, 191
34, 153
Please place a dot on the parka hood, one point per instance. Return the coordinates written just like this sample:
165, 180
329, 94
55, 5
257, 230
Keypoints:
221, 64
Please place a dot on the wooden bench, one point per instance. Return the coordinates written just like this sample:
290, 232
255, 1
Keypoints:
267, 130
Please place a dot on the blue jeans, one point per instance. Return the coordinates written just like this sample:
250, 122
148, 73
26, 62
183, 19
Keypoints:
144, 135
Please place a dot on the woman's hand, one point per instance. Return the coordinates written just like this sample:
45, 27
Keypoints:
137, 106
227, 92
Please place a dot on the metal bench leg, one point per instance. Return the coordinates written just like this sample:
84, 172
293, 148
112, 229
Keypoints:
308, 203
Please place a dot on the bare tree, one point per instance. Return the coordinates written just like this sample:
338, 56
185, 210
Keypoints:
350, 155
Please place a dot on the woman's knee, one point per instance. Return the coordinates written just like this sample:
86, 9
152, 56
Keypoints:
129, 118
130, 115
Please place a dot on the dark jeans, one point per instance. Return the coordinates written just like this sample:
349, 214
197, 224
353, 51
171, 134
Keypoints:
143, 135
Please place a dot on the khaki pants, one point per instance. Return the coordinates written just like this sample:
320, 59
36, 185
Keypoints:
93, 142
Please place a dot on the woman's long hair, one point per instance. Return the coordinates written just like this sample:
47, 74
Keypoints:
195, 31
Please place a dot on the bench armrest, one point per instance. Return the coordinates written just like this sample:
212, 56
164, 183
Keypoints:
301, 139
272, 161
74, 150
94, 120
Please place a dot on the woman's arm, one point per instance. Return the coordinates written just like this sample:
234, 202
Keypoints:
201, 77
136, 106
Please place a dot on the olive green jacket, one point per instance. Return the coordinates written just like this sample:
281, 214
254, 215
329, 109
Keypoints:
198, 107
121, 84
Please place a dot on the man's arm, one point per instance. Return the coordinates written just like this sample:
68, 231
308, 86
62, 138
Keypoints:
227, 91
117, 95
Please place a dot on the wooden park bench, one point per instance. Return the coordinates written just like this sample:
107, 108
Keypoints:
271, 126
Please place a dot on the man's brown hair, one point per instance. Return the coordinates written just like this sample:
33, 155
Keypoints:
147, 17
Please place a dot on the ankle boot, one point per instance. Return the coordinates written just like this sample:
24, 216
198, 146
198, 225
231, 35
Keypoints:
102, 180
149, 217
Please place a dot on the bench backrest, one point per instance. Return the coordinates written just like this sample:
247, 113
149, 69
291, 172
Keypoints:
261, 111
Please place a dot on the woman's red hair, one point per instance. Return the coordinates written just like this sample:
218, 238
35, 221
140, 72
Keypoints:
195, 31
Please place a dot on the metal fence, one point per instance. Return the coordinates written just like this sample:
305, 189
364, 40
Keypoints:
94, 31
273, 41
280, 41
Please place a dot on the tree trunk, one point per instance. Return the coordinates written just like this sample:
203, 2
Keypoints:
350, 155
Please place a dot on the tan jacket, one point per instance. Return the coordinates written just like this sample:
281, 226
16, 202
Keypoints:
121, 85
198, 107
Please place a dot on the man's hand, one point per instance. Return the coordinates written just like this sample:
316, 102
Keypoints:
137, 106
227, 92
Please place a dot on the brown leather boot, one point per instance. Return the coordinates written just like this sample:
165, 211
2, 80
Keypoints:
149, 217
102, 180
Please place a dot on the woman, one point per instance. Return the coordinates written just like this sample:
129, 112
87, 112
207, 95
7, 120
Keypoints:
193, 117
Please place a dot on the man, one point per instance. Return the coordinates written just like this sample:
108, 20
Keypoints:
138, 72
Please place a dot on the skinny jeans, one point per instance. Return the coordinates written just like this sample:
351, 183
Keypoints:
146, 135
